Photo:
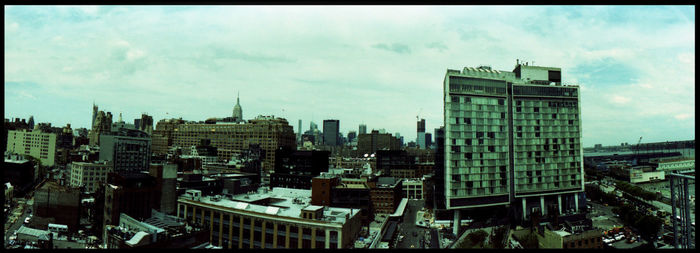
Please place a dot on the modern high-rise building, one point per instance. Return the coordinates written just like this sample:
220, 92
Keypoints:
299, 132
331, 132
363, 129
512, 138
420, 134
31, 122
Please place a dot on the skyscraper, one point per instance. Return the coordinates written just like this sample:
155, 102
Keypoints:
299, 134
511, 138
94, 114
363, 129
237, 111
331, 132
31, 122
420, 137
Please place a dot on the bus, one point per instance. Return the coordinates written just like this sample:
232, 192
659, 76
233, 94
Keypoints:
58, 228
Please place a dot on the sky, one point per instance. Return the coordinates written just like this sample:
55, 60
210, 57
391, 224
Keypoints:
377, 65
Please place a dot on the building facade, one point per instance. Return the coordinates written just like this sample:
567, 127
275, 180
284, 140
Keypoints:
89, 175
38, 144
129, 150
61, 203
331, 132
229, 139
296, 169
277, 219
162, 138
420, 138
370, 143
511, 138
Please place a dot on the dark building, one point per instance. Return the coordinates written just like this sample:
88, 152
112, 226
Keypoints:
331, 132
166, 178
128, 149
439, 175
19, 172
132, 193
296, 169
188, 164
386, 195
331, 190
370, 143
388, 160
61, 203
195, 181
145, 123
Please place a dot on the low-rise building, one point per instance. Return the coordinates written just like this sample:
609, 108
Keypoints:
413, 188
385, 194
281, 218
61, 203
36, 143
159, 231
676, 164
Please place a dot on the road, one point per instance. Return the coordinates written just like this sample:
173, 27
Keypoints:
16, 219
416, 236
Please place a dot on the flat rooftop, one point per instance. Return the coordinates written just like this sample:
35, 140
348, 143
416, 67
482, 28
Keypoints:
284, 202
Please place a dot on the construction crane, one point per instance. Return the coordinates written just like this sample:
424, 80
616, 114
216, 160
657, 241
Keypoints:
636, 151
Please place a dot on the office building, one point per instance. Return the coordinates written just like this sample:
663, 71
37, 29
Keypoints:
511, 138
131, 193
35, 143
331, 134
420, 138
60, 203
296, 169
370, 143
363, 129
128, 149
162, 138
166, 178
280, 218
89, 174
229, 138
386, 194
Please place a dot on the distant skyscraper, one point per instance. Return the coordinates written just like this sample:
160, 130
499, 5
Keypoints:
363, 129
512, 138
428, 140
94, 114
331, 132
237, 111
299, 133
420, 137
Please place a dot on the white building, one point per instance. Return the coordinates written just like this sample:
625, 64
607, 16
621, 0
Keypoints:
413, 188
90, 175
678, 164
34, 143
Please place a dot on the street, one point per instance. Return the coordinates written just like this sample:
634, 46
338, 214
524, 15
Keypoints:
16, 219
413, 236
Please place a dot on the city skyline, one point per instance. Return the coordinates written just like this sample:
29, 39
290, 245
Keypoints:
379, 65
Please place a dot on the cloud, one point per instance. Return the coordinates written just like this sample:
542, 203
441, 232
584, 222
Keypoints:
620, 99
437, 45
638, 60
395, 47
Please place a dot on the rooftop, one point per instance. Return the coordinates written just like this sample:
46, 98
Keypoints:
284, 202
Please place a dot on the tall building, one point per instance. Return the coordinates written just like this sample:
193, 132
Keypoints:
145, 123
128, 149
133, 194
162, 138
295, 169
35, 143
94, 114
230, 138
370, 143
351, 136
420, 137
511, 138
299, 132
428, 140
237, 111
363, 129
89, 174
103, 124
331, 132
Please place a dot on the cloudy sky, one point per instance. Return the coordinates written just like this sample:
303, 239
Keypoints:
378, 65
